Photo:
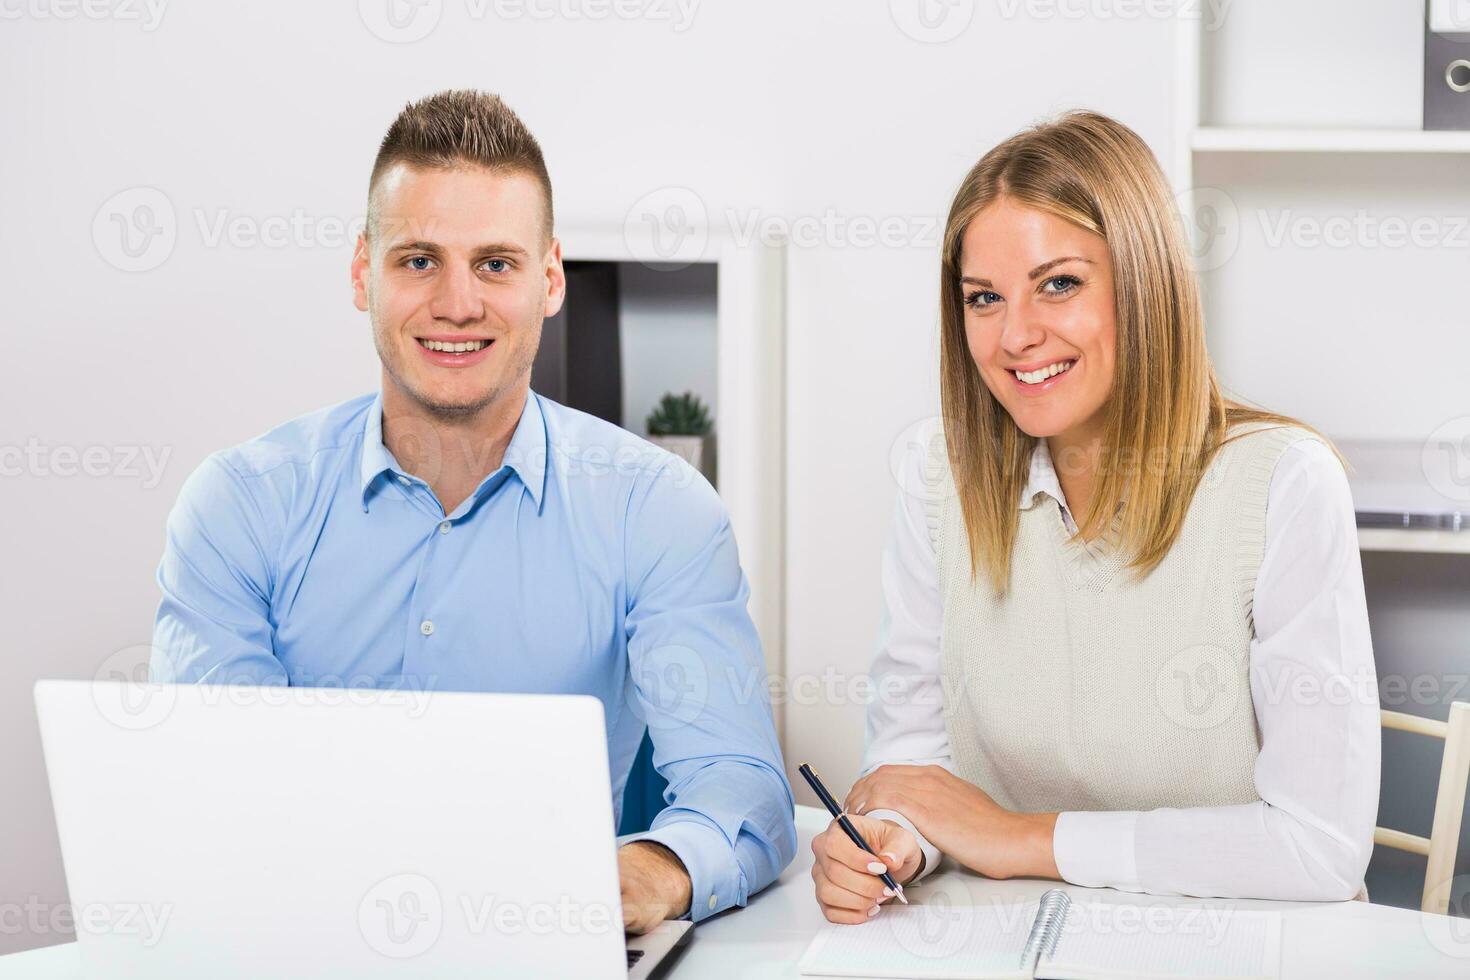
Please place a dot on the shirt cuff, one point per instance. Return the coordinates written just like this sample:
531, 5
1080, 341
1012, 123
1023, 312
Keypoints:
715, 880
1096, 849
930, 852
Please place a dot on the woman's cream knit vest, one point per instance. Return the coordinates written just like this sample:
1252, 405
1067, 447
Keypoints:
1085, 688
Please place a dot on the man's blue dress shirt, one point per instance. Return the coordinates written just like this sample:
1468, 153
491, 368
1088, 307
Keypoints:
590, 562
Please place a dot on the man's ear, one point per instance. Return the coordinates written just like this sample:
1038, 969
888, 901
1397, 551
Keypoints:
556, 279
360, 264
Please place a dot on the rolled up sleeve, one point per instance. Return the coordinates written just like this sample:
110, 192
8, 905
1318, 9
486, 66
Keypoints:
701, 685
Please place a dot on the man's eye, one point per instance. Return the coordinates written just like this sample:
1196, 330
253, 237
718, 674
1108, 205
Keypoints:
497, 265
419, 263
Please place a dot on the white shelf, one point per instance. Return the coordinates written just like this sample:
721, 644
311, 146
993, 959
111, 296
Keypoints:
1414, 541
1239, 140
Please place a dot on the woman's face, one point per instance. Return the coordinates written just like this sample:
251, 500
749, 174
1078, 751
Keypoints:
1038, 309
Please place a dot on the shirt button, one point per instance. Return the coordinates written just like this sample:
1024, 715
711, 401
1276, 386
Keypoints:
444, 528
403, 480
427, 627
713, 902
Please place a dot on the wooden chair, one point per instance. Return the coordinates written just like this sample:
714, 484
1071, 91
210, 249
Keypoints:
1444, 837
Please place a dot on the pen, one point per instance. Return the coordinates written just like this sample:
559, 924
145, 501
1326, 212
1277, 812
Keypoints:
810, 775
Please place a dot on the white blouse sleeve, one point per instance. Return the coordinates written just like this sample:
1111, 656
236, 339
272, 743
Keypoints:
906, 713
1313, 684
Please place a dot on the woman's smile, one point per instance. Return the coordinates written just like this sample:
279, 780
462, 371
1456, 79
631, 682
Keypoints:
1033, 381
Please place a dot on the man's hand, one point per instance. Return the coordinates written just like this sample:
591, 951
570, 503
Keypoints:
961, 820
848, 887
655, 885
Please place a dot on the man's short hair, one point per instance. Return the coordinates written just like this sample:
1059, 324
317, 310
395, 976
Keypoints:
456, 128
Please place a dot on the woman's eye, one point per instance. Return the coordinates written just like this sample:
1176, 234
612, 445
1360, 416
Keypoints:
1060, 285
981, 298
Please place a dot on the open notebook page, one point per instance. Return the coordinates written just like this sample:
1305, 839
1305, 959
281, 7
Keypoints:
1101, 941
926, 942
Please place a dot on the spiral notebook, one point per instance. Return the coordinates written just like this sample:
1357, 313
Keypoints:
1053, 939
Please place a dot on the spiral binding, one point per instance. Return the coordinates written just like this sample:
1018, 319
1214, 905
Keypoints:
1046, 929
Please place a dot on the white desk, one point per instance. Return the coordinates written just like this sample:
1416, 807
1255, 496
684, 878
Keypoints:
1337, 941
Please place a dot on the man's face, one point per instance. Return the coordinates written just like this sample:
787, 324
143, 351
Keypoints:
457, 274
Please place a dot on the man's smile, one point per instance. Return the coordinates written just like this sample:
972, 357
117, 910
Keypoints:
455, 351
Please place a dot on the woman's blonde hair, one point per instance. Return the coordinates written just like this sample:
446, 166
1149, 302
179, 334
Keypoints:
1165, 417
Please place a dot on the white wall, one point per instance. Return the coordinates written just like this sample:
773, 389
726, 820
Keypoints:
764, 109
1328, 258
1315, 63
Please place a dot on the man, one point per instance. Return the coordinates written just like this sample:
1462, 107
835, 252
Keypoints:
457, 531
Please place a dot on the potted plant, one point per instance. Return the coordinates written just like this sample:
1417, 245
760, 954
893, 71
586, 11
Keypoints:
682, 425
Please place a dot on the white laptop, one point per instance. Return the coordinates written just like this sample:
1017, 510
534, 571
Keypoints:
234, 832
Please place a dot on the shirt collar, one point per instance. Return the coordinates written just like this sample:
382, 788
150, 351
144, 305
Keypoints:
1042, 478
376, 459
1043, 481
528, 449
525, 455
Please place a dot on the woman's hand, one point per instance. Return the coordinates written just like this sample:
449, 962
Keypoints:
848, 887
961, 820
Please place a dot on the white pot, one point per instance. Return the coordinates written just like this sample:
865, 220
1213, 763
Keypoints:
688, 448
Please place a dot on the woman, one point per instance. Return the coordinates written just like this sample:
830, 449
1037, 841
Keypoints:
1125, 642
